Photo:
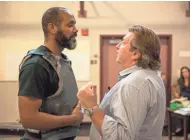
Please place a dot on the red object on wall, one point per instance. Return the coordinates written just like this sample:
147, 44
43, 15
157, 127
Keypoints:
85, 32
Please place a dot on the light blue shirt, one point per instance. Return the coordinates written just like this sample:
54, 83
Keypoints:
134, 107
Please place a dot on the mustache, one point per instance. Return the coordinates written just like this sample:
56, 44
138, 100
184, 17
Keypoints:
74, 35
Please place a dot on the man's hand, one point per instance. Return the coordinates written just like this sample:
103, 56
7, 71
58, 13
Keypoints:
77, 113
87, 97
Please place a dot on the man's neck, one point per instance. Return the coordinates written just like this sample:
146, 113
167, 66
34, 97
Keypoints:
54, 47
125, 66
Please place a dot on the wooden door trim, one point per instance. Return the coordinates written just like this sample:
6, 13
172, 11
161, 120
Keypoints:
168, 36
169, 66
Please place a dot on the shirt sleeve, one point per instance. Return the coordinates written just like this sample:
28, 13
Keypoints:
129, 109
33, 81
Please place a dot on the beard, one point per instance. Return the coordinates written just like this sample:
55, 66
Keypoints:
66, 42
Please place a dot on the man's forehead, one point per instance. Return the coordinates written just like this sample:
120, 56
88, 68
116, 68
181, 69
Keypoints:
67, 16
128, 36
69, 12
63, 10
66, 13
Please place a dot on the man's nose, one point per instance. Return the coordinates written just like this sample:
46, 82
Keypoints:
118, 45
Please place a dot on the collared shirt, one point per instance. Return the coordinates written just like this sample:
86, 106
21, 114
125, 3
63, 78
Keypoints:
134, 107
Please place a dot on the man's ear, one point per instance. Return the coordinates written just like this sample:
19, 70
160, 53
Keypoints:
52, 28
136, 55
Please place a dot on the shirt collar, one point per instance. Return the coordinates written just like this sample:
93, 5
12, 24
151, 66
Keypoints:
129, 70
44, 48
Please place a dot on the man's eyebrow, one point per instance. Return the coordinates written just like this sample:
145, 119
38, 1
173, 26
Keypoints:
72, 22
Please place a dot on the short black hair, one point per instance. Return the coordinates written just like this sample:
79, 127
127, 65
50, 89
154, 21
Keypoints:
51, 15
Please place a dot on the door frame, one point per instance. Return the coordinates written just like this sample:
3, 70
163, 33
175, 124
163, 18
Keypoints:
169, 66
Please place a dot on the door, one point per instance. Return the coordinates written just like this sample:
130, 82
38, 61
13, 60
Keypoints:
110, 69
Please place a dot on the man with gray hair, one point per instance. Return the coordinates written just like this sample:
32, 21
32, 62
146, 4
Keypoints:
134, 108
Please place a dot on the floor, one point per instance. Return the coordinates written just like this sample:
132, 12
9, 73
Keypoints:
84, 132
9, 137
6, 137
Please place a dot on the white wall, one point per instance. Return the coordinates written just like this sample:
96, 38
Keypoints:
21, 27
